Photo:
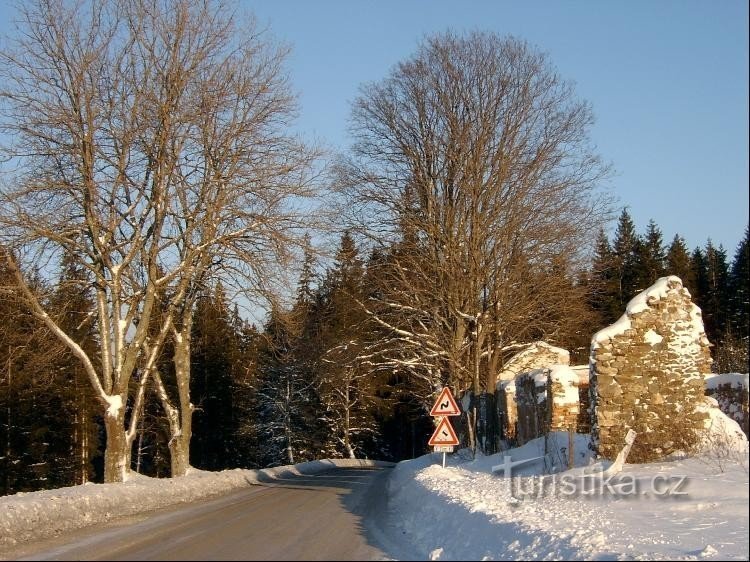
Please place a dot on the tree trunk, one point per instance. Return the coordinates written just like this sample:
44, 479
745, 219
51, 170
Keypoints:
288, 425
179, 444
477, 390
179, 453
493, 422
116, 454
347, 438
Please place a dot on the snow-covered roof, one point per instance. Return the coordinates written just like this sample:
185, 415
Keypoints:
523, 361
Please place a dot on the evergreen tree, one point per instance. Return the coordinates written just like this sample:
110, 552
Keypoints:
305, 294
651, 258
348, 391
699, 275
734, 356
36, 427
604, 285
214, 351
739, 291
245, 427
678, 262
715, 304
289, 427
627, 249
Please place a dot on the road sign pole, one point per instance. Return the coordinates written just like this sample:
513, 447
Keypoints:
443, 460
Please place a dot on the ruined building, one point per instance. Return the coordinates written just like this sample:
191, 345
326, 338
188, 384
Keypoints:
647, 374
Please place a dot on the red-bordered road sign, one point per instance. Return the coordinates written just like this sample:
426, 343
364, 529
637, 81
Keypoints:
445, 405
444, 434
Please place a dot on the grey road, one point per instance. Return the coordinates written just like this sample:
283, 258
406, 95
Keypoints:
330, 516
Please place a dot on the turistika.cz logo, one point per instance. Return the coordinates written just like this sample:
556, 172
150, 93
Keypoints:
594, 484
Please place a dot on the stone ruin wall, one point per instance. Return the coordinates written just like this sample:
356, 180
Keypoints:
647, 374
546, 400
507, 411
536, 356
583, 423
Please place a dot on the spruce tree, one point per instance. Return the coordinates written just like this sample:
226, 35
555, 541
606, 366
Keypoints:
348, 390
604, 286
627, 248
35, 421
651, 258
73, 304
289, 428
699, 274
716, 309
734, 354
213, 352
305, 294
678, 262
245, 375
739, 291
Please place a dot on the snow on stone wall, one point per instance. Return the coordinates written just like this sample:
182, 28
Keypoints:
731, 392
647, 373
536, 356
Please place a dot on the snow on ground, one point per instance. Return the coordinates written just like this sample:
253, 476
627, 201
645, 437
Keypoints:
684, 508
690, 508
735, 380
49, 513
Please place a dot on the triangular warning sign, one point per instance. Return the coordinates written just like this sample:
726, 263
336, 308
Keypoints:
444, 434
445, 405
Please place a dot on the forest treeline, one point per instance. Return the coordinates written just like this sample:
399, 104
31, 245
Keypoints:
151, 187
300, 387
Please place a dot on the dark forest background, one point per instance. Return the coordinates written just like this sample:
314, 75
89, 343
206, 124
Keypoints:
289, 390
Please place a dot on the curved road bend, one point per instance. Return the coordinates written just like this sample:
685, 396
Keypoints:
329, 516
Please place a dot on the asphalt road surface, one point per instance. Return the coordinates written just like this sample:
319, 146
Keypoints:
329, 516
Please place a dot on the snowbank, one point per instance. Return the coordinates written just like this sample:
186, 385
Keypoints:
723, 435
472, 509
36, 515
737, 380
684, 509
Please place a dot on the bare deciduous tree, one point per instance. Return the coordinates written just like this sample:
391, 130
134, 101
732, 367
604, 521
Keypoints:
474, 155
148, 141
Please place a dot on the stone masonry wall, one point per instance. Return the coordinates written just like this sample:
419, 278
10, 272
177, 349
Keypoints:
583, 423
547, 400
507, 412
647, 374
536, 355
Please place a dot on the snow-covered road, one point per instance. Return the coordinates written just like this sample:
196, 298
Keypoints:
314, 517
685, 507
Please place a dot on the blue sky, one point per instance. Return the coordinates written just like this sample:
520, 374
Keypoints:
668, 82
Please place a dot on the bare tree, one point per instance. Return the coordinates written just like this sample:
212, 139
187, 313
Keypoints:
149, 143
474, 156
